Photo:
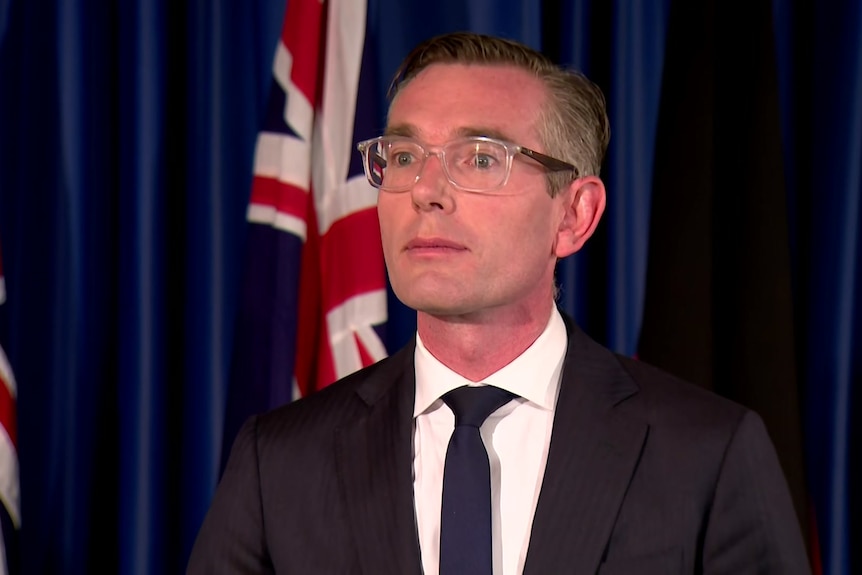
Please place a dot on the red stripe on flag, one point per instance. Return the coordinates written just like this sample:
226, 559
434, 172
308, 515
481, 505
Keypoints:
313, 367
302, 36
7, 412
352, 258
7, 402
363, 353
285, 198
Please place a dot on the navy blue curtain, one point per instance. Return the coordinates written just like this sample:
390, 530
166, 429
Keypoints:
127, 134
126, 140
823, 125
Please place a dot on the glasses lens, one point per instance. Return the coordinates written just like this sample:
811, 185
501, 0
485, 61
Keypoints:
477, 164
393, 163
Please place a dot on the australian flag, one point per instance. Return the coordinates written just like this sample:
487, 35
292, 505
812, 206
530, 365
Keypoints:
313, 293
10, 513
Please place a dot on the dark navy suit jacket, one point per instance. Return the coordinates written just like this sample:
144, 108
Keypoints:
645, 474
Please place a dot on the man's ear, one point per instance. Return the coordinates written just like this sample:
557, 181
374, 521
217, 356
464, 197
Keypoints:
584, 202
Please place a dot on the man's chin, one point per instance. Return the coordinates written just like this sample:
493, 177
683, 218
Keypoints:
438, 307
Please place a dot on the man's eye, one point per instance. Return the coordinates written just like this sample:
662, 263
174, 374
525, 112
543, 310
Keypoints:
482, 161
402, 158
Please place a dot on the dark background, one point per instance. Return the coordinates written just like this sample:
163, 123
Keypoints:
728, 254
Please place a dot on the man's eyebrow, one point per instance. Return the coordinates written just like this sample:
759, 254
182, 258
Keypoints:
470, 131
405, 130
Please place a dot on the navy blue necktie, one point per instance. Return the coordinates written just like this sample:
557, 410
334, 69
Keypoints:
465, 522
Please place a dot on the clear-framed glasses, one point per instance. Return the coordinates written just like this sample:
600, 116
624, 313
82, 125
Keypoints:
472, 164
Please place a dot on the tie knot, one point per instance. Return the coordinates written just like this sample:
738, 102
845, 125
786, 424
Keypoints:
473, 405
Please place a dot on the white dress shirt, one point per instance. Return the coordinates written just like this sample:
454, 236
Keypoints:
516, 437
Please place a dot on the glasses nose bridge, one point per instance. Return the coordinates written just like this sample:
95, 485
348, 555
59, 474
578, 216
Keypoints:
440, 153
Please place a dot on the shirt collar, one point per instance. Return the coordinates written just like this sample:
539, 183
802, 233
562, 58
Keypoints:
533, 375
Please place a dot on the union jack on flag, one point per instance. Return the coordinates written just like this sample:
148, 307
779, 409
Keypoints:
313, 297
9, 479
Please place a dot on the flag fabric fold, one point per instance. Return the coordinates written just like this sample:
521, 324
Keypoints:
313, 295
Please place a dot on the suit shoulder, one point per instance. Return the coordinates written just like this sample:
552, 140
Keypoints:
671, 399
645, 391
343, 400
688, 423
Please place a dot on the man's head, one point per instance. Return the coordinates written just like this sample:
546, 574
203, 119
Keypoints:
573, 124
468, 225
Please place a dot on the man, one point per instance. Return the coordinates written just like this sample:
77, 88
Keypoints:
488, 174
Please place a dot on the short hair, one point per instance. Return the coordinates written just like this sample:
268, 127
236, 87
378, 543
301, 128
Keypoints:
573, 125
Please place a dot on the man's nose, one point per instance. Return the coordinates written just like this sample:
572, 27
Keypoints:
432, 188
432, 169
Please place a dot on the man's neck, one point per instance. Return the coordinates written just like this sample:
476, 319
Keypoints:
476, 347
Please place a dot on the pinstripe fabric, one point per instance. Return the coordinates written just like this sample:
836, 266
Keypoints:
645, 474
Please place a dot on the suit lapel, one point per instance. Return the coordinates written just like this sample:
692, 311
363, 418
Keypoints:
374, 457
593, 453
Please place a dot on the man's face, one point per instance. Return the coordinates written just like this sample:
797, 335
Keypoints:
450, 252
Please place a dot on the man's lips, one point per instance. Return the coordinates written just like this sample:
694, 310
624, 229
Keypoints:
433, 244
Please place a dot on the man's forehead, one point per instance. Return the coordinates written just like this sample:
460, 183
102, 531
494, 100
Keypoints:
412, 131
447, 101
465, 80
472, 70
